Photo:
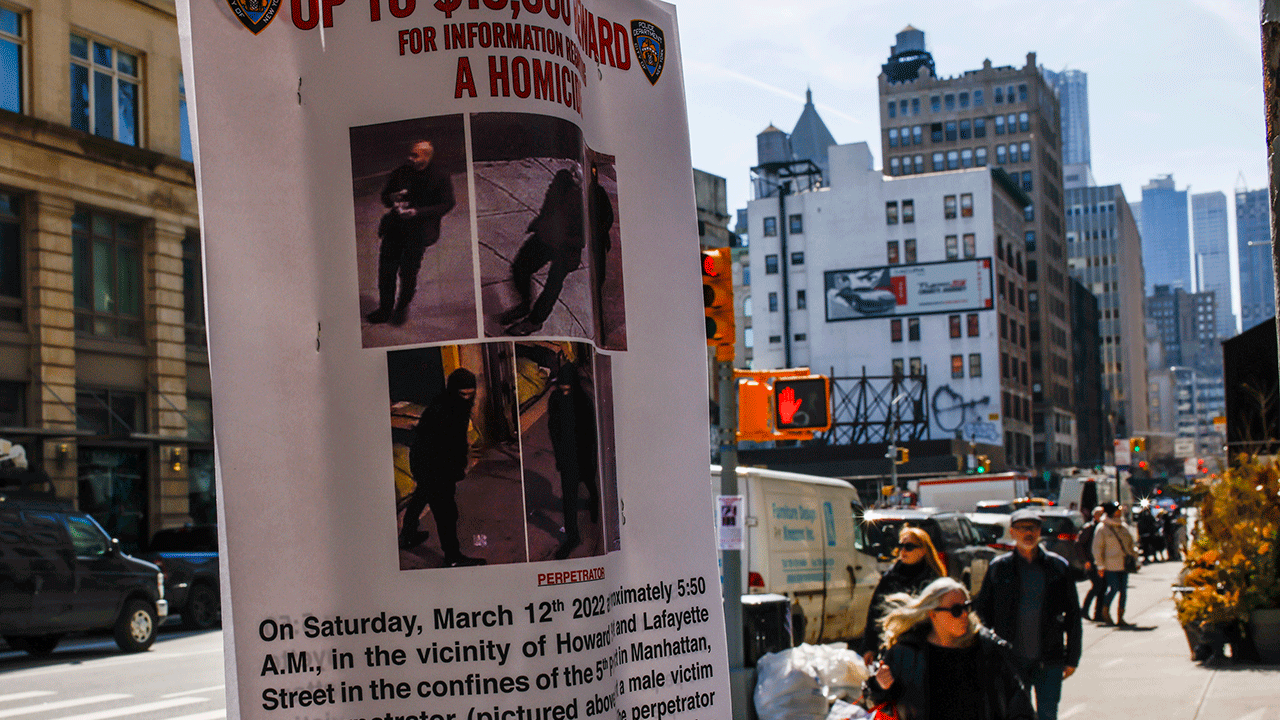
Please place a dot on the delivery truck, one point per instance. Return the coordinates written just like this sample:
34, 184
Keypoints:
802, 538
962, 493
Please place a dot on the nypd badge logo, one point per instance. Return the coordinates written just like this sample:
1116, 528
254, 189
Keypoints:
255, 14
650, 48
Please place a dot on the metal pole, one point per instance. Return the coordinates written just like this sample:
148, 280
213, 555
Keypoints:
1271, 103
785, 267
741, 678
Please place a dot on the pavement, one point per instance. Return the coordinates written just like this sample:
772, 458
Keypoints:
1147, 671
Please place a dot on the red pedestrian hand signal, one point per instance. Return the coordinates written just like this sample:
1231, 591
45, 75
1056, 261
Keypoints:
788, 404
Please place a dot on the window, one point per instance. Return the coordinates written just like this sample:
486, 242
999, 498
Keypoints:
892, 252
895, 330
795, 224
970, 246
773, 302
1012, 121
972, 321
954, 322
966, 205
1030, 239
913, 329
104, 90
999, 122
893, 133
915, 367
999, 95
953, 248
966, 158
1029, 213
949, 207
13, 402
938, 162
1032, 276
775, 339
893, 108
935, 103
797, 258
1009, 93
950, 101
980, 127
980, 157
107, 265
770, 227
935, 132
975, 365
919, 164
951, 130
1026, 181
902, 108
957, 367
966, 131
908, 211
770, 264
801, 337
953, 160
1024, 122
11, 51
915, 106
977, 98
891, 212
909, 250
802, 300
897, 367
895, 166
11, 274
1026, 152
917, 135
184, 128
964, 100
1022, 93
109, 412
192, 290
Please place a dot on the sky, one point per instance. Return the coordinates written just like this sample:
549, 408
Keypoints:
1175, 86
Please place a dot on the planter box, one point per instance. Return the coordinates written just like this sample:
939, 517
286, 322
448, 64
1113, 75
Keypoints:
1264, 629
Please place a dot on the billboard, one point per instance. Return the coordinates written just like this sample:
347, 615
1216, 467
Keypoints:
917, 289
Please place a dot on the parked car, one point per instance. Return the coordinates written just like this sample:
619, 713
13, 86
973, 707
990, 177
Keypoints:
962, 546
61, 573
189, 558
994, 529
1060, 533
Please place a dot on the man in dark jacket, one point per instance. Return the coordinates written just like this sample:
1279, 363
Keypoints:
556, 236
1029, 599
571, 423
417, 195
438, 461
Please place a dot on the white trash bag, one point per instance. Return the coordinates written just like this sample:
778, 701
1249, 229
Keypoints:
800, 682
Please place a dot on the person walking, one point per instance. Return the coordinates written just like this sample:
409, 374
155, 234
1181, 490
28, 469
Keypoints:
556, 236
571, 422
918, 564
1029, 598
1112, 545
940, 663
1096, 586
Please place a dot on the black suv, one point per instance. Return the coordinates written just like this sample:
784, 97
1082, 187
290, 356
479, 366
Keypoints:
189, 558
961, 544
60, 572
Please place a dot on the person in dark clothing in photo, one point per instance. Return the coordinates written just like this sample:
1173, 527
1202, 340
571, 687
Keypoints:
1096, 586
940, 663
600, 216
1029, 598
418, 194
917, 566
571, 422
438, 461
556, 236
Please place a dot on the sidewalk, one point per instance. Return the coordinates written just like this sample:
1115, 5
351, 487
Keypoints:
1147, 672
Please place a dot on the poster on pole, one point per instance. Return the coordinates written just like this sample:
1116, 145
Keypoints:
455, 359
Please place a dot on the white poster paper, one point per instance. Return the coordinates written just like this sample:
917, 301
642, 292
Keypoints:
731, 521
455, 353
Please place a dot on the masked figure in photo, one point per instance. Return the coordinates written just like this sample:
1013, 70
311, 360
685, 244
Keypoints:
571, 421
555, 236
438, 461
417, 195
600, 217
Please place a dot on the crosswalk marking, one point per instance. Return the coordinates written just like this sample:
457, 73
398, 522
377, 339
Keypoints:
137, 709
45, 707
110, 662
192, 692
210, 715
24, 695
1072, 711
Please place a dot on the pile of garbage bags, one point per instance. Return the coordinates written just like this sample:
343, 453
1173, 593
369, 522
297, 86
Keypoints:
810, 682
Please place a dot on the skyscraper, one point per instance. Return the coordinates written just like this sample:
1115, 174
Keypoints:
1006, 117
1166, 237
1213, 264
1072, 87
1253, 238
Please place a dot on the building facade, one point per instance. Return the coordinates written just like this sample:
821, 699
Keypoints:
1166, 235
1092, 402
103, 367
1002, 117
1187, 323
1213, 261
1253, 244
1106, 257
1072, 87
922, 276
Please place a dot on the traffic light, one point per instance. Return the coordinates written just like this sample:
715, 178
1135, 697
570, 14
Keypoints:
903, 456
984, 464
802, 403
717, 301
1138, 444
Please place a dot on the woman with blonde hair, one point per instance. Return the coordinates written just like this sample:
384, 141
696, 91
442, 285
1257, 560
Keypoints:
918, 564
940, 663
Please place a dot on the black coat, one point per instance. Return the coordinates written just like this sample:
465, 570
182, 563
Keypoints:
571, 422
1002, 697
1060, 627
429, 192
900, 578
438, 456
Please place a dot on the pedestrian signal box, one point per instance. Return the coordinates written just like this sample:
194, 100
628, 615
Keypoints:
802, 403
717, 301
786, 404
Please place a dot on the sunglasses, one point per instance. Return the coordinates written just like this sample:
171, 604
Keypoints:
910, 546
957, 610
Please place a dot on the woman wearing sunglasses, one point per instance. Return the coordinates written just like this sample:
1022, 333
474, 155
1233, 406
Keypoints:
918, 564
940, 663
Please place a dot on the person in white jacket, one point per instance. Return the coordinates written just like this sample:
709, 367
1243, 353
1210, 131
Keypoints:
1112, 542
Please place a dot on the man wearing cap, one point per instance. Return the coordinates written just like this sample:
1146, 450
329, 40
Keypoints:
1029, 599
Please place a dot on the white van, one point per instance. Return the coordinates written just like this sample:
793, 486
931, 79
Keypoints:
803, 539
